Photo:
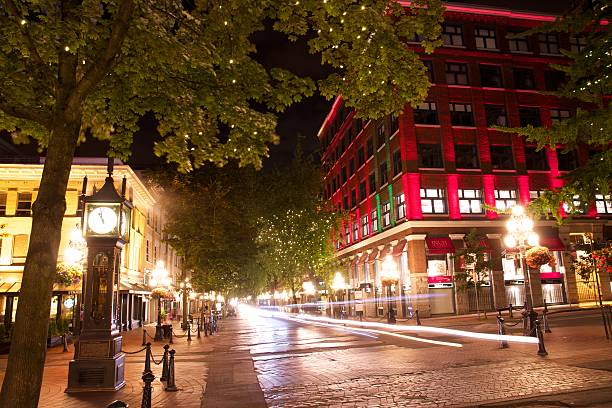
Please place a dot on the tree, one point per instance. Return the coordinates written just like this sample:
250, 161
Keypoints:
589, 81
71, 69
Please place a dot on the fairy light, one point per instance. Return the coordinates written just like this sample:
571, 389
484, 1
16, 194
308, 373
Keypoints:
23, 22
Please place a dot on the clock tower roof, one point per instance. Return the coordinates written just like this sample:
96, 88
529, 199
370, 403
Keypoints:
107, 194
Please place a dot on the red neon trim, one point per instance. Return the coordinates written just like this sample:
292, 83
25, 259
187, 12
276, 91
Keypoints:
452, 187
488, 186
330, 116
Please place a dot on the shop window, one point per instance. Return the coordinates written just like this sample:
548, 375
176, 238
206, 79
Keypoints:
433, 201
518, 44
485, 38
505, 199
529, 116
20, 245
496, 115
523, 78
567, 160
393, 123
502, 157
554, 80
557, 115
452, 35
382, 173
372, 182
374, 218
352, 167
360, 157
461, 114
385, 213
2, 203
426, 114
370, 147
549, 43
430, 155
24, 204
362, 191
466, 156
437, 268
535, 159
353, 198
470, 201
380, 136
400, 206
577, 43
576, 206
344, 178
603, 204
456, 74
491, 76
355, 231
430, 71
364, 226
397, 162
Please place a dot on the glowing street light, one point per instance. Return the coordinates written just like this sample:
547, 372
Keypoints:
159, 279
389, 276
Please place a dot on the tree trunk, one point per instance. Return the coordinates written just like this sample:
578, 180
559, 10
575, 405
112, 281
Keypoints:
24, 372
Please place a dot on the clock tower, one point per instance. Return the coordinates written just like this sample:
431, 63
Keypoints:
99, 362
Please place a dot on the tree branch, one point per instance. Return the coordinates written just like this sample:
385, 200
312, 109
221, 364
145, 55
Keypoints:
25, 112
102, 62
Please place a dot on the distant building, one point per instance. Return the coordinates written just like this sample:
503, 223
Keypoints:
417, 183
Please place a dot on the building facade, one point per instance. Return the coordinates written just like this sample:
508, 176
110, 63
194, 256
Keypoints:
18, 189
415, 184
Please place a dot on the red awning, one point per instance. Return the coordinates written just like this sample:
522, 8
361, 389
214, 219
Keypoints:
399, 248
486, 244
439, 246
552, 243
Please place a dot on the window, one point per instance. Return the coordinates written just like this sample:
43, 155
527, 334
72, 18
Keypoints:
24, 204
352, 167
155, 253
430, 71
345, 202
343, 175
496, 115
470, 202
397, 162
485, 38
549, 43
567, 160
20, 245
461, 114
2, 203
557, 115
603, 204
400, 206
382, 173
393, 123
355, 231
502, 158
577, 43
334, 185
533, 194
362, 191
529, 116
518, 44
505, 199
374, 221
491, 76
523, 78
386, 214
364, 226
372, 182
426, 114
430, 155
353, 198
370, 147
456, 74
360, 157
576, 207
148, 252
466, 156
380, 136
347, 234
343, 145
452, 35
554, 80
433, 201
535, 159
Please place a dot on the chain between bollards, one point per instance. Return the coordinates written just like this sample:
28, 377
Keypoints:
171, 384
147, 390
165, 365
502, 331
541, 349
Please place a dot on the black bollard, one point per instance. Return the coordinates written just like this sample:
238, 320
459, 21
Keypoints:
545, 318
545, 306
65, 343
418, 319
147, 367
165, 365
510, 310
188, 331
144, 337
199, 328
501, 328
541, 349
525, 324
205, 327
171, 384
147, 390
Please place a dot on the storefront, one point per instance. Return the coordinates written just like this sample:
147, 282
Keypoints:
440, 269
552, 277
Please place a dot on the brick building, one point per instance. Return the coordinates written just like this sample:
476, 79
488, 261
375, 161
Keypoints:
415, 184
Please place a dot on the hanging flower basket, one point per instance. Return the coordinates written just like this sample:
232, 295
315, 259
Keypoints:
539, 256
161, 293
603, 258
68, 275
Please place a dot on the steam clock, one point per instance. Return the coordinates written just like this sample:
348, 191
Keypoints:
99, 362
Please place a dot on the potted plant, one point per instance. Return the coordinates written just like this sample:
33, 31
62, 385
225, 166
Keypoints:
68, 275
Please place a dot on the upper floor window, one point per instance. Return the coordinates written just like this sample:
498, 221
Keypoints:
24, 204
370, 147
549, 43
461, 114
577, 43
20, 245
385, 213
426, 114
554, 80
518, 44
534, 194
470, 201
374, 218
430, 71
433, 201
485, 38
345, 202
456, 74
505, 199
393, 123
466, 156
364, 226
502, 157
372, 182
347, 234
355, 231
352, 167
496, 115
380, 136
430, 155
148, 252
567, 161
2, 203
491, 76
397, 162
452, 35
362, 191
400, 207
557, 115
360, 156
382, 173
353, 198
535, 159
344, 178
603, 204
529, 116
523, 78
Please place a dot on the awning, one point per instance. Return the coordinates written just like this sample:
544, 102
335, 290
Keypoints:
10, 287
134, 288
399, 248
552, 243
439, 246
72, 288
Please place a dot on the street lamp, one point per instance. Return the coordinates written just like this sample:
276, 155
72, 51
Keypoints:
338, 284
75, 254
309, 289
521, 236
159, 279
185, 289
389, 276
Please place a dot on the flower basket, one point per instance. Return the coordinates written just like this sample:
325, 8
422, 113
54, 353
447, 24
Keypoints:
68, 275
539, 256
161, 293
603, 258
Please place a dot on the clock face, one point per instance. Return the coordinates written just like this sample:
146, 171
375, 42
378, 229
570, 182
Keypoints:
102, 220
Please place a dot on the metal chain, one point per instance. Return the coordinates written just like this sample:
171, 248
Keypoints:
153, 358
134, 352
512, 325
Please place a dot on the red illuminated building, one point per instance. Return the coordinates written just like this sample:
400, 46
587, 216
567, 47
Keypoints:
416, 184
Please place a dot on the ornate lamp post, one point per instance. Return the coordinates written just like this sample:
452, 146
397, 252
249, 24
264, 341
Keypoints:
75, 254
185, 289
159, 280
389, 276
521, 236
338, 284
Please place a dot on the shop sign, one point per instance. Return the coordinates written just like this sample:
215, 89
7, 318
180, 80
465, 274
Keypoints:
358, 294
439, 279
